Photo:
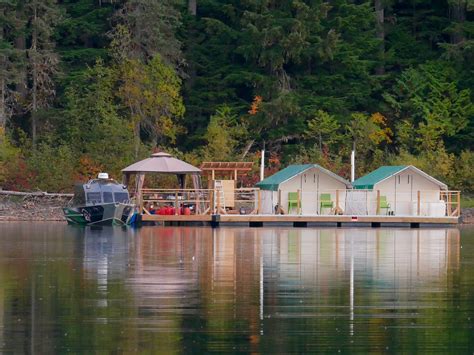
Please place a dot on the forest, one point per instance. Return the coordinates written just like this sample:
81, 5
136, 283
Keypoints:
94, 85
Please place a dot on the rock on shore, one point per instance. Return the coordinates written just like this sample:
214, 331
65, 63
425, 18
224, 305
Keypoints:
467, 216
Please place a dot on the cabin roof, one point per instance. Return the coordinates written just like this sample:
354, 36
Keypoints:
273, 182
367, 182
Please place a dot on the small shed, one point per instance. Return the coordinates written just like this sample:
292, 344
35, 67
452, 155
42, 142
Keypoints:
307, 189
223, 176
402, 190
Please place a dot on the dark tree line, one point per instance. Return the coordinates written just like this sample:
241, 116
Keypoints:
88, 85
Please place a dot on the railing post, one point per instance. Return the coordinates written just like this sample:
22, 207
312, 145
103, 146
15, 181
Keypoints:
378, 203
280, 208
298, 202
459, 203
449, 204
218, 202
336, 210
176, 203
259, 207
211, 201
418, 202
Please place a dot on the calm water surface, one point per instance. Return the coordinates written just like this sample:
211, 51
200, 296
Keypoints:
275, 290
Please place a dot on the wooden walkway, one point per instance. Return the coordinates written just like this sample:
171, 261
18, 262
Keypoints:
300, 220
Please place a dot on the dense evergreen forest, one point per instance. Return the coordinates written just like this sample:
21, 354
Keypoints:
90, 85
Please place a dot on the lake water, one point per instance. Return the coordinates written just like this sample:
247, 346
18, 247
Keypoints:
273, 290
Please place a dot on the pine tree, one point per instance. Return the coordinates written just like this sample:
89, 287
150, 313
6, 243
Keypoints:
10, 59
42, 16
145, 28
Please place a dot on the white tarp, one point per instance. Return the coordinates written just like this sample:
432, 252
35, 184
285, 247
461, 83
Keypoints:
356, 202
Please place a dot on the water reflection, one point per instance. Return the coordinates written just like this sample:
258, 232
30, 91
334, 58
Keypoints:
228, 289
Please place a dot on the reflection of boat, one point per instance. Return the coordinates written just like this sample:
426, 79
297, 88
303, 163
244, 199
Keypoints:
101, 201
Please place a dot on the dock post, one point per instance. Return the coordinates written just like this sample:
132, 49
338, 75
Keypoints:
176, 203
418, 203
298, 203
218, 202
378, 203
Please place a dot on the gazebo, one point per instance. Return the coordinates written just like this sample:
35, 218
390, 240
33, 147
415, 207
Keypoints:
160, 163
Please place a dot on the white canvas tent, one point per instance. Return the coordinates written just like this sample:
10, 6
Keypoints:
404, 187
311, 180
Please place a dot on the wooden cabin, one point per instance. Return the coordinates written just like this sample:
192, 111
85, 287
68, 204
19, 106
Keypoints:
306, 189
402, 190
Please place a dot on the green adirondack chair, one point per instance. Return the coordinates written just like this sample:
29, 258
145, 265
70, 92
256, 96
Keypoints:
325, 202
292, 201
383, 204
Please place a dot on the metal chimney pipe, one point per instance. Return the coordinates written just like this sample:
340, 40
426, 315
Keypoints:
353, 165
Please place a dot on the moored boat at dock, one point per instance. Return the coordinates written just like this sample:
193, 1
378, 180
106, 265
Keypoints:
100, 201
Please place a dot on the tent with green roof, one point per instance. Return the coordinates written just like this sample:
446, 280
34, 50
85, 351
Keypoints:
311, 180
399, 190
367, 182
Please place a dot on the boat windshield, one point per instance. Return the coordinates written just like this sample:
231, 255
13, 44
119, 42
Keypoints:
107, 197
121, 196
93, 197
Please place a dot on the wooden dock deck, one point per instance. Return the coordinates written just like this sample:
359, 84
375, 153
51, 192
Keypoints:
255, 220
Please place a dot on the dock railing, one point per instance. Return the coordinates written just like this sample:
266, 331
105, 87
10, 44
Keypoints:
176, 201
434, 203
200, 201
372, 202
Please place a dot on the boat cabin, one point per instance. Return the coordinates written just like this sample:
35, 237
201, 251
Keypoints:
100, 191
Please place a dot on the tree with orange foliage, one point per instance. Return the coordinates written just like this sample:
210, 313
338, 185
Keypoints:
255, 106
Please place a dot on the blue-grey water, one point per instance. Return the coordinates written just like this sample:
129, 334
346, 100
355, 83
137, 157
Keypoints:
262, 290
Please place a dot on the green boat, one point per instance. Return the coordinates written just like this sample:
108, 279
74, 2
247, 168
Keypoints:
100, 201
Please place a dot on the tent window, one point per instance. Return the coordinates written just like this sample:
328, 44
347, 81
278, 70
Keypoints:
107, 197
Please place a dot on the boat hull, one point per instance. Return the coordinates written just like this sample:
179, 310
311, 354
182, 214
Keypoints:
110, 214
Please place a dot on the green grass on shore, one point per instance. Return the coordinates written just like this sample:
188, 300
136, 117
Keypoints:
467, 201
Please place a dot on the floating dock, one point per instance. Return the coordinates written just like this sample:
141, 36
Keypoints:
256, 220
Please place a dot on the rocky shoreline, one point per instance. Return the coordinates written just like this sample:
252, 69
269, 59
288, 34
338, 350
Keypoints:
32, 209
467, 216
51, 210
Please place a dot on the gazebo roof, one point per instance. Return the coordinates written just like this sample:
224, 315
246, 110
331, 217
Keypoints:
162, 163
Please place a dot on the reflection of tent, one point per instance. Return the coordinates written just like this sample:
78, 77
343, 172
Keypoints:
160, 163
